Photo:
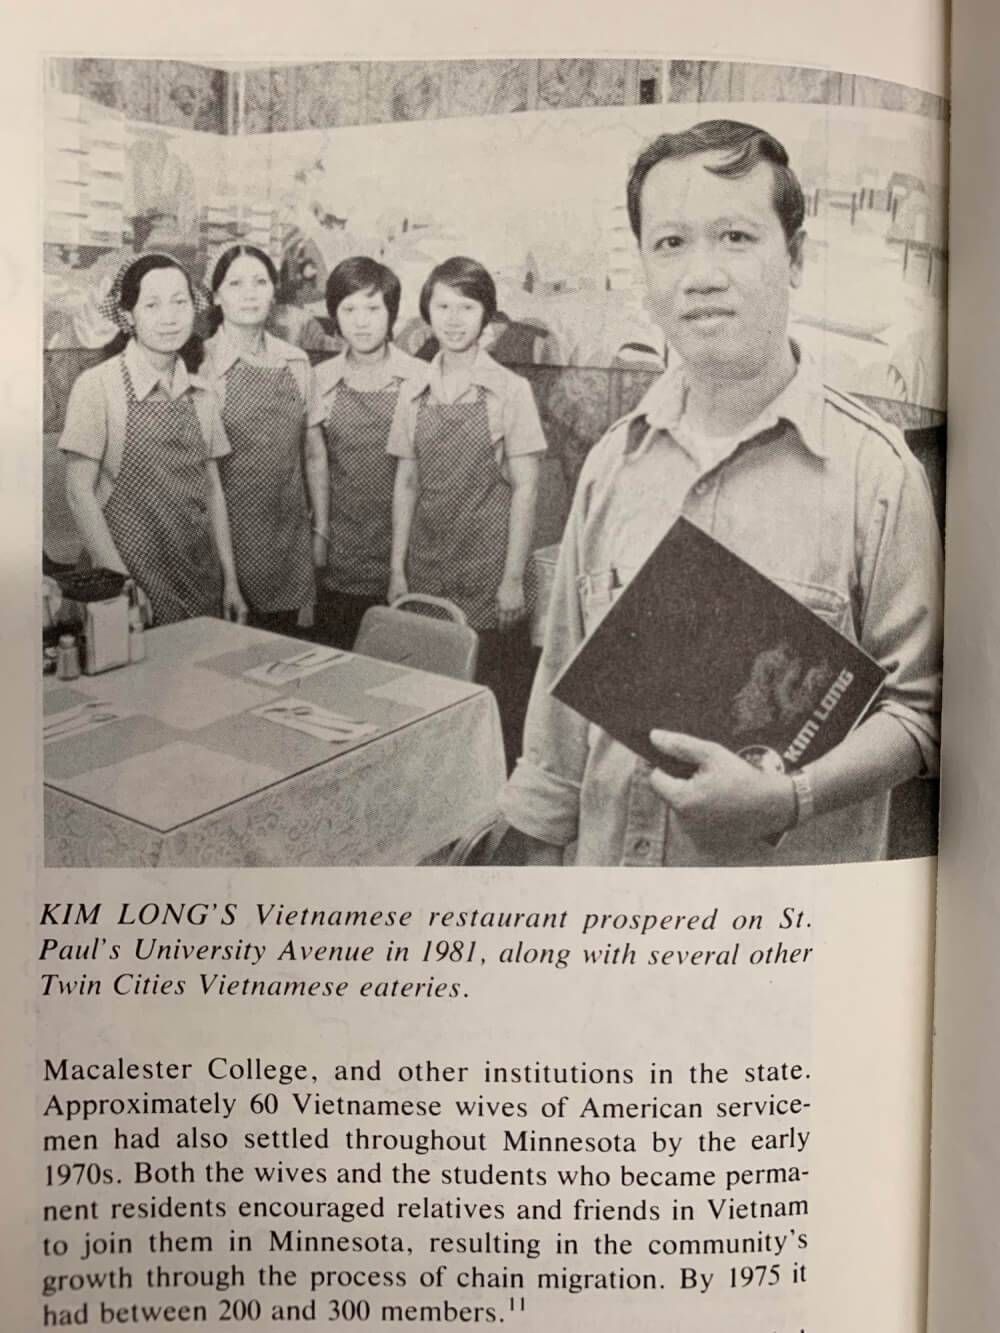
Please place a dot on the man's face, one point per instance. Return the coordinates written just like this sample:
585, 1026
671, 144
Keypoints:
718, 267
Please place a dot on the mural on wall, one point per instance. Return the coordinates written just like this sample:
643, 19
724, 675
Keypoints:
396, 165
539, 198
115, 187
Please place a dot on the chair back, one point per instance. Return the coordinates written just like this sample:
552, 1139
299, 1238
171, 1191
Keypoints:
481, 845
449, 647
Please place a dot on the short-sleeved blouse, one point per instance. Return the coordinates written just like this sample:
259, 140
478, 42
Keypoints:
510, 408
97, 411
221, 354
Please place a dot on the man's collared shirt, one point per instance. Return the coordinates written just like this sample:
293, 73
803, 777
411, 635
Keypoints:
820, 494
97, 411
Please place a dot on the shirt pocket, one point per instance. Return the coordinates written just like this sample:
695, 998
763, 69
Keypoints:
827, 603
597, 591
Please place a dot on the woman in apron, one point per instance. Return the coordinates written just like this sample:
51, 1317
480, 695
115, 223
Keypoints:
142, 440
275, 477
469, 444
359, 392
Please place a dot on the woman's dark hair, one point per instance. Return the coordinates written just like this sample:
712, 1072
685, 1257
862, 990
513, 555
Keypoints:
225, 262
468, 277
745, 145
361, 274
193, 351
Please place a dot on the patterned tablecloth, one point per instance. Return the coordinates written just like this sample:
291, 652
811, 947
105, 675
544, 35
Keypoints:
188, 776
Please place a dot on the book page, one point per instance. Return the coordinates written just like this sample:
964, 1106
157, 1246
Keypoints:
264, 1076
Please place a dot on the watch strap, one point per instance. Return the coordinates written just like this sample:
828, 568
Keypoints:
805, 806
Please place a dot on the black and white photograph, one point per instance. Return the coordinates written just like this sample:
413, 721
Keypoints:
517, 462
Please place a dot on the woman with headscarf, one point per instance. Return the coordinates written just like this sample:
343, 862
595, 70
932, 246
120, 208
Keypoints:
143, 437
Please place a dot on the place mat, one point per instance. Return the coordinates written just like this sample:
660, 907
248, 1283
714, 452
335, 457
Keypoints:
354, 691
321, 723
421, 689
61, 697
250, 736
80, 720
236, 663
256, 741
102, 746
297, 666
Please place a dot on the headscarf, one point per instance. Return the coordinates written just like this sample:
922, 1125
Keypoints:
109, 305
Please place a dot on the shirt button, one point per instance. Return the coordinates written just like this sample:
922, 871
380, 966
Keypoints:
641, 846
700, 487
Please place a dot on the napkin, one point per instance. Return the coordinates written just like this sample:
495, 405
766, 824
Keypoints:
106, 630
321, 723
80, 718
295, 667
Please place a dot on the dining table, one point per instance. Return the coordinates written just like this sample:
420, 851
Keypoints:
233, 746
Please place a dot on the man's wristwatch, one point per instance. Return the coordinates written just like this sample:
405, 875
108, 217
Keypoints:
805, 806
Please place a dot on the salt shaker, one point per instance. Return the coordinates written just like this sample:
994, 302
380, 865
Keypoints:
68, 662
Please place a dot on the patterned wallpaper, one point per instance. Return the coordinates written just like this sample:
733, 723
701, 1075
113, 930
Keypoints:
272, 99
321, 96
161, 92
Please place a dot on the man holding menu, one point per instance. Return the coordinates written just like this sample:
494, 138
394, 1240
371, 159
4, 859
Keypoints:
803, 482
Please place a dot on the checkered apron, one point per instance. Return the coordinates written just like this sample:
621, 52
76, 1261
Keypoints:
458, 542
361, 481
158, 511
265, 489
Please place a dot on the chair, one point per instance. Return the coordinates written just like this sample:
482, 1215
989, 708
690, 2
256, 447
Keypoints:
449, 647
494, 843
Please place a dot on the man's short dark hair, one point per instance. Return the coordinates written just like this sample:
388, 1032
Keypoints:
745, 146
467, 276
362, 274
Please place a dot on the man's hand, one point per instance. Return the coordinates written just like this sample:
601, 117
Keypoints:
725, 800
